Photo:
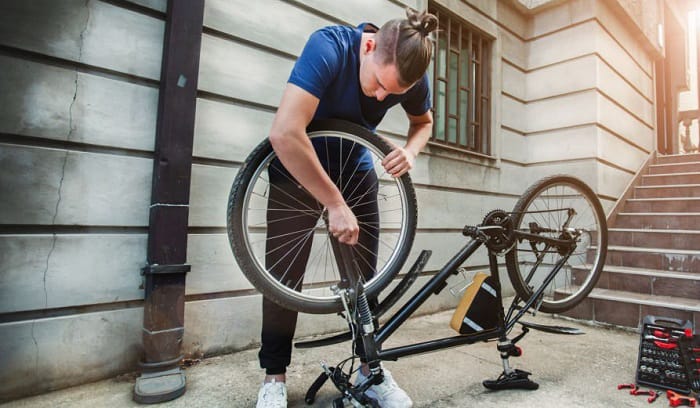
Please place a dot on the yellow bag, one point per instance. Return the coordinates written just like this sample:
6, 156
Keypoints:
479, 308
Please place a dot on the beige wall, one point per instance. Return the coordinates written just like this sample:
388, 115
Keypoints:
572, 92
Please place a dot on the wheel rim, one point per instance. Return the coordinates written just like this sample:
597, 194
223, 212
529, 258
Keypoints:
321, 271
547, 208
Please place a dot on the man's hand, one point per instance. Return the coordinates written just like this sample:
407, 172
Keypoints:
399, 162
343, 224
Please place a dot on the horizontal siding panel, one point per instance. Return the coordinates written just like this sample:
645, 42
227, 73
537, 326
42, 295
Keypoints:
209, 193
514, 146
477, 14
612, 181
562, 78
589, 171
44, 101
511, 48
43, 271
214, 269
49, 186
627, 38
613, 117
512, 18
561, 16
615, 150
513, 113
611, 51
570, 43
624, 94
439, 209
228, 132
553, 113
358, 11
261, 79
47, 354
93, 32
395, 122
226, 16
514, 81
563, 144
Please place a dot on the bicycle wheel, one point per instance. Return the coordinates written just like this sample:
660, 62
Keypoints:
560, 207
249, 223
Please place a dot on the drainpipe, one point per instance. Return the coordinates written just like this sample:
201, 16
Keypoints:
164, 276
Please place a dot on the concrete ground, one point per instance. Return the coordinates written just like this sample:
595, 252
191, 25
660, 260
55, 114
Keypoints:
572, 371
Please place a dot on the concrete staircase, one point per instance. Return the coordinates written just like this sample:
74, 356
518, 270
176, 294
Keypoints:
653, 263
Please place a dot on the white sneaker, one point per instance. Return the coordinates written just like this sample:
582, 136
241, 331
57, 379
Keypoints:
388, 394
272, 395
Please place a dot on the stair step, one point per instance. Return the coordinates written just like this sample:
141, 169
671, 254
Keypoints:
674, 168
677, 158
665, 204
654, 238
672, 178
628, 309
659, 220
650, 281
672, 190
681, 260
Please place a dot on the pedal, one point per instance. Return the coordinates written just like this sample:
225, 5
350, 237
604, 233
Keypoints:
516, 379
552, 329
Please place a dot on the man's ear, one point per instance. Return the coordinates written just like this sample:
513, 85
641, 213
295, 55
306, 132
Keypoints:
370, 45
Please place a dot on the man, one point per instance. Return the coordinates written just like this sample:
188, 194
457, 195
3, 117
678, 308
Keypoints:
354, 74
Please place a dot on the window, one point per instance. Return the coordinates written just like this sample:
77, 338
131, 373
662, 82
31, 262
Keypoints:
461, 85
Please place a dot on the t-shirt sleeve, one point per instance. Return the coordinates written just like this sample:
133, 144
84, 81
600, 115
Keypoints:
318, 64
419, 99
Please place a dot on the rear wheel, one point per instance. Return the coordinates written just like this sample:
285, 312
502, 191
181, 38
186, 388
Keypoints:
248, 221
565, 208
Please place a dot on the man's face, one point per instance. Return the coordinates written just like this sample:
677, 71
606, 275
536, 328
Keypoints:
379, 81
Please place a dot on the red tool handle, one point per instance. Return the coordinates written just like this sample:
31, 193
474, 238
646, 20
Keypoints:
675, 399
665, 346
660, 333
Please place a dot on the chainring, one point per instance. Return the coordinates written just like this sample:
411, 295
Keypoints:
502, 239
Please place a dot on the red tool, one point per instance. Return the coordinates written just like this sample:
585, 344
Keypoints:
663, 339
660, 333
675, 399
665, 346
653, 395
621, 386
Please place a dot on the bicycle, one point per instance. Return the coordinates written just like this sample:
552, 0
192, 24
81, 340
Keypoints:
554, 242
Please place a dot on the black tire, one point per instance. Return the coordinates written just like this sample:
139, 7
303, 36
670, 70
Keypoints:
316, 296
545, 203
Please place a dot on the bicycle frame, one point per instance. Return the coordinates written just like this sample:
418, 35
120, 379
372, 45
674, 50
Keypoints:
436, 284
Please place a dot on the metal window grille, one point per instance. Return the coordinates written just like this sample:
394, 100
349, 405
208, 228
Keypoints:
460, 70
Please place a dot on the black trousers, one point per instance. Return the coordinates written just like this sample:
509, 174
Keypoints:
287, 226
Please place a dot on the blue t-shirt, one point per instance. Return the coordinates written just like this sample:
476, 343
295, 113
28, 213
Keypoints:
328, 68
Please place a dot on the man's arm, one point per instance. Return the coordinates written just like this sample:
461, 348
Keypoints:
294, 149
402, 159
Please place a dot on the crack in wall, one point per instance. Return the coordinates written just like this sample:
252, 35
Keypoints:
60, 184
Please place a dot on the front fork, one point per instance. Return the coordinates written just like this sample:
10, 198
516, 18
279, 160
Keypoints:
360, 320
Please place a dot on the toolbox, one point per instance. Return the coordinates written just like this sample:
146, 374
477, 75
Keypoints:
661, 361
690, 352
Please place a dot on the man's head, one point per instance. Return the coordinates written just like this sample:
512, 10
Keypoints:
398, 55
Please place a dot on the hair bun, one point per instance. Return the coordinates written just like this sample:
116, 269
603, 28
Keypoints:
423, 22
